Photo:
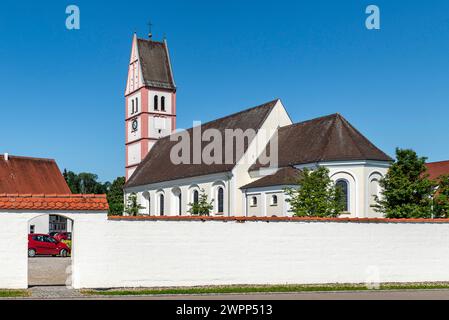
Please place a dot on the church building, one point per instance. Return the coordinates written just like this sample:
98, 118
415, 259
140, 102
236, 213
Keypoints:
245, 186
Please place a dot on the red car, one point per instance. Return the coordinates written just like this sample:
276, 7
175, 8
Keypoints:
43, 244
63, 236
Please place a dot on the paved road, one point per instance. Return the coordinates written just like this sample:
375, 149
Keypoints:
371, 295
48, 271
62, 293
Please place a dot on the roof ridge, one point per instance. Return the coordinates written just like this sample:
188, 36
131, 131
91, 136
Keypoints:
29, 158
149, 40
438, 162
222, 118
343, 119
332, 127
243, 111
31, 195
310, 120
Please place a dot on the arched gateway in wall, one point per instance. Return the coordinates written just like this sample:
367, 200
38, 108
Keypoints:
16, 211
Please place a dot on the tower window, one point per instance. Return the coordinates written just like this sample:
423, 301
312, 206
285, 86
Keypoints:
137, 105
163, 103
156, 102
132, 106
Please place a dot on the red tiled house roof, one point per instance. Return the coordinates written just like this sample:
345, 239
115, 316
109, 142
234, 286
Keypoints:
68, 202
31, 176
437, 169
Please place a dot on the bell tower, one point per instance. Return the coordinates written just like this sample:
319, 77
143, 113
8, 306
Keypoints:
150, 100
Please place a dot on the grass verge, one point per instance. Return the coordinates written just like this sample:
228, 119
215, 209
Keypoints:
14, 293
262, 289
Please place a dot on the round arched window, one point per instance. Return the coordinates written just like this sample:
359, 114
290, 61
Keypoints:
343, 185
220, 202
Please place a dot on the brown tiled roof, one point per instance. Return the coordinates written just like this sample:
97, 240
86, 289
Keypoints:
284, 176
31, 176
329, 138
155, 63
437, 169
68, 202
157, 166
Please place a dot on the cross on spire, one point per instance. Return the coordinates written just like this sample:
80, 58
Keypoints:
150, 27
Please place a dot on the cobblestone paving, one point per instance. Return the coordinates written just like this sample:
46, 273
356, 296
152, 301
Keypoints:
59, 292
49, 271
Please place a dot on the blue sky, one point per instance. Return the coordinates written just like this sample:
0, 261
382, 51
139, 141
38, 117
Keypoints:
62, 91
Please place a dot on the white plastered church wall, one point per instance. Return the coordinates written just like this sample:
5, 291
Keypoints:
149, 195
278, 117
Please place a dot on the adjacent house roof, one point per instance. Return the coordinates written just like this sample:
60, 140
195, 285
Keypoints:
68, 202
31, 176
158, 167
329, 138
155, 64
283, 177
437, 169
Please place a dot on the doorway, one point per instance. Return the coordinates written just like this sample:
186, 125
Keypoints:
50, 251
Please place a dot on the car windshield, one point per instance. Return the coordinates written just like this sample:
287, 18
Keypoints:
50, 239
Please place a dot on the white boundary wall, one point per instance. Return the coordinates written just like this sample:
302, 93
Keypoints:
186, 253
109, 254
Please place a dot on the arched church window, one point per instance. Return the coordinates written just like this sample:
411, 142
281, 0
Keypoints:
163, 103
220, 196
253, 202
343, 185
196, 196
156, 102
274, 200
180, 204
146, 196
161, 204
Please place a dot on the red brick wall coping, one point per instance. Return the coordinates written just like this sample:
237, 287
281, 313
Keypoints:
275, 219
55, 202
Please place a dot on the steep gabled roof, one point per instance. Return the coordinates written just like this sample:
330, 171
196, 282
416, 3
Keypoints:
437, 169
329, 138
31, 176
284, 176
155, 63
157, 166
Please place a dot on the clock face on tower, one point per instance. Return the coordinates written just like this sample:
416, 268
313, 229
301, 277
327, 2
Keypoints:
135, 125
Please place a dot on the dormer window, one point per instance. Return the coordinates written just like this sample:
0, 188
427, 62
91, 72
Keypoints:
156, 102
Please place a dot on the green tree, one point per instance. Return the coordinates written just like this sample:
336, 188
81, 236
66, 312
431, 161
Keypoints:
316, 195
115, 197
407, 191
85, 183
441, 199
203, 207
72, 181
132, 206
